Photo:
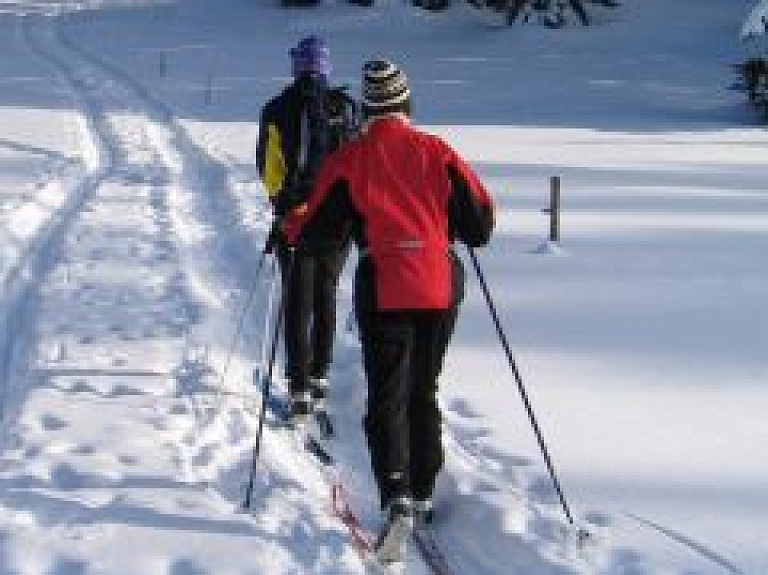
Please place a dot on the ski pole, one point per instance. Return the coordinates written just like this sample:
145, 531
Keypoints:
267, 316
243, 313
268, 383
264, 396
258, 372
519, 381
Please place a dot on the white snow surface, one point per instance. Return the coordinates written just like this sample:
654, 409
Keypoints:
131, 222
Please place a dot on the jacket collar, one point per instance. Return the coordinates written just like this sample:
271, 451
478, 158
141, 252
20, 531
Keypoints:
375, 123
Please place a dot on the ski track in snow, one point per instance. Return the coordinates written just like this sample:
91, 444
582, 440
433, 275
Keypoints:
110, 302
689, 543
115, 301
34, 261
77, 354
113, 314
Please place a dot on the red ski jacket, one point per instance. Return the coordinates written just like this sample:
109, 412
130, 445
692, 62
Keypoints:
412, 194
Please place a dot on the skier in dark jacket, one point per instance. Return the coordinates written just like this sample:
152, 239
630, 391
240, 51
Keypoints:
408, 196
294, 137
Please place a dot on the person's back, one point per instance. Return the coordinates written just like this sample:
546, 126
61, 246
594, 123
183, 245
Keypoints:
408, 196
399, 188
295, 135
293, 139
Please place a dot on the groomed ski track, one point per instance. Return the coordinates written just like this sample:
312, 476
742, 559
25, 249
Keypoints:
143, 182
118, 243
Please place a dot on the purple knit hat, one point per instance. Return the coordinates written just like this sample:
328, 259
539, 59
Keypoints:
311, 55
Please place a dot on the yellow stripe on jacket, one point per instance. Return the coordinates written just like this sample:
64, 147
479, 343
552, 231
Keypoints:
274, 162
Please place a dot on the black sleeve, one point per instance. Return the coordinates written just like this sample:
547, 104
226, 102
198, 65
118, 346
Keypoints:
332, 225
471, 221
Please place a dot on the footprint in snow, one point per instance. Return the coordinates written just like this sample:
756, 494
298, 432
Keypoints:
549, 529
178, 409
597, 519
84, 449
128, 460
123, 390
82, 386
462, 408
158, 423
205, 457
52, 423
67, 566
65, 476
629, 562
32, 451
186, 567
541, 490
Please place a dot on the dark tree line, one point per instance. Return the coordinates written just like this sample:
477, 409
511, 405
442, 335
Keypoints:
552, 13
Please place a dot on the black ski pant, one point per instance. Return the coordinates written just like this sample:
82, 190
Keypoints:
403, 353
309, 283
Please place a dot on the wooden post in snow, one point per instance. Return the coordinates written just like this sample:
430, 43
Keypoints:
554, 209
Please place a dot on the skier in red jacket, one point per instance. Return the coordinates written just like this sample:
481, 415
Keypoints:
405, 196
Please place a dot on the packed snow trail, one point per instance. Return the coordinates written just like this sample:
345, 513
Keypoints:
102, 255
71, 183
119, 345
112, 361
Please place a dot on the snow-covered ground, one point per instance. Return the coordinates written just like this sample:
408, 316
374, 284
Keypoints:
131, 219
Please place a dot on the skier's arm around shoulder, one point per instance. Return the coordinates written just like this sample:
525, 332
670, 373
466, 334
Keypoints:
326, 205
471, 207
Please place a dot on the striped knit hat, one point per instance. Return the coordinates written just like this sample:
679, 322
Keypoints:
385, 88
311, 55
